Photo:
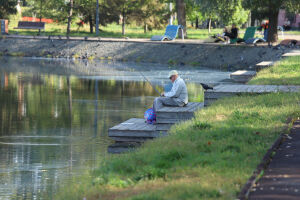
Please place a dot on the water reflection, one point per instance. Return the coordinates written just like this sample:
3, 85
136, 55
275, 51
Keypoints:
54, 117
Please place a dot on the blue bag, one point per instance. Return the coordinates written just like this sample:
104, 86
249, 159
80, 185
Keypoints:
150, 116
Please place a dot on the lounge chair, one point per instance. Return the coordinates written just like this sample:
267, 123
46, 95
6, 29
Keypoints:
170, 34
250, 32
264, 39
255, 40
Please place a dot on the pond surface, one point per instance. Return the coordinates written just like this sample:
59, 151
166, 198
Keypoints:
54, 116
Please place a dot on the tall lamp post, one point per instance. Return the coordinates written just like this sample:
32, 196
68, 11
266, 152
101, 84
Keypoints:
97, 18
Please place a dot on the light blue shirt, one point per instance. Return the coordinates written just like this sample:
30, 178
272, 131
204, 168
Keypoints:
178, 92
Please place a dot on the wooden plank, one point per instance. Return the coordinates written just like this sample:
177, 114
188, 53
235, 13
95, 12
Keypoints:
173, 117
265, 63
130, 139
216, 88
243, 73
139, 133
291, 54
176, 109
171, 121
163, 127
216, 95
134, 124
230, 90
208, 102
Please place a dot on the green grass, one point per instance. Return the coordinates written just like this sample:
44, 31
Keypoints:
209, 157
285, 72
111, 30
114, 30
292, 32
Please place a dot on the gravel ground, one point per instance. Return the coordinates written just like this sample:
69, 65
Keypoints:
217, 56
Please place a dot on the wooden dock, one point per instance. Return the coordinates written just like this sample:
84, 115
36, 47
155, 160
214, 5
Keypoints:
121, 147
264, 64
242, 76
292, 53
137, 130
171, 115
230, 90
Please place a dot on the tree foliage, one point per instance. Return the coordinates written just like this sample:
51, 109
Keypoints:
270, 9
151, 14
54, 9
226, 11
7, 7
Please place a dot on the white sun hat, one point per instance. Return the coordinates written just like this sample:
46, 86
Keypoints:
173, 72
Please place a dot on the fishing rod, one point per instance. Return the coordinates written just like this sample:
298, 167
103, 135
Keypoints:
150, 83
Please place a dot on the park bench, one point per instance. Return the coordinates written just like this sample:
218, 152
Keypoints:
30, 25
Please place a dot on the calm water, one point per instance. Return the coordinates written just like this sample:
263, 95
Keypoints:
54, 116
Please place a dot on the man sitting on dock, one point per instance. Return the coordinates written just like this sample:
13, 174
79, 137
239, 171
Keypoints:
178, 96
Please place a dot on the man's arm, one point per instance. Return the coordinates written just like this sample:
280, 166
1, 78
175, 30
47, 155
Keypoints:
175, 91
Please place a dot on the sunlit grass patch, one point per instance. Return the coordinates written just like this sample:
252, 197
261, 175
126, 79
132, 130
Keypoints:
285, 72
110, 31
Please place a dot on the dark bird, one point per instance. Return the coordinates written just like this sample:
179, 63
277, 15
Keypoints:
206, 87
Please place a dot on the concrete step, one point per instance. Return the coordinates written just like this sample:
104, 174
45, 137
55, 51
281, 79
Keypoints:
171, 115
225, 90
242, 76
135, 130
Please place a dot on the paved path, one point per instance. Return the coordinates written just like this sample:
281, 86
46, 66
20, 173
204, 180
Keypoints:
281, 179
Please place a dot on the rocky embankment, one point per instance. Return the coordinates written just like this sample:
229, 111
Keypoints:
206, 55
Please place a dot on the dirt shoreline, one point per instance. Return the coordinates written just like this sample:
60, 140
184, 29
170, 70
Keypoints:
220, 56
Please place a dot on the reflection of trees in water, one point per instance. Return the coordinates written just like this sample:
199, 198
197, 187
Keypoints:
49, 104
53, 105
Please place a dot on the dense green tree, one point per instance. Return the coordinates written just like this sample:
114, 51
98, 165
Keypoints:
148, 13
209, 8
87, 11
193, 13
232, 12
117, 9
151, 14
270, 9
226, 11
54, 9
7, 7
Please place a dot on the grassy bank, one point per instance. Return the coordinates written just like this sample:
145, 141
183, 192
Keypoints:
210, 157
285, 72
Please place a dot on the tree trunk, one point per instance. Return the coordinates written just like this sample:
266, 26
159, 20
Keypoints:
123, 22
209, 25
272, 30
145, 27
252, 19
249, 20
41, 8
70, 17
91, 24
97, 18
197, 22
181, 17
